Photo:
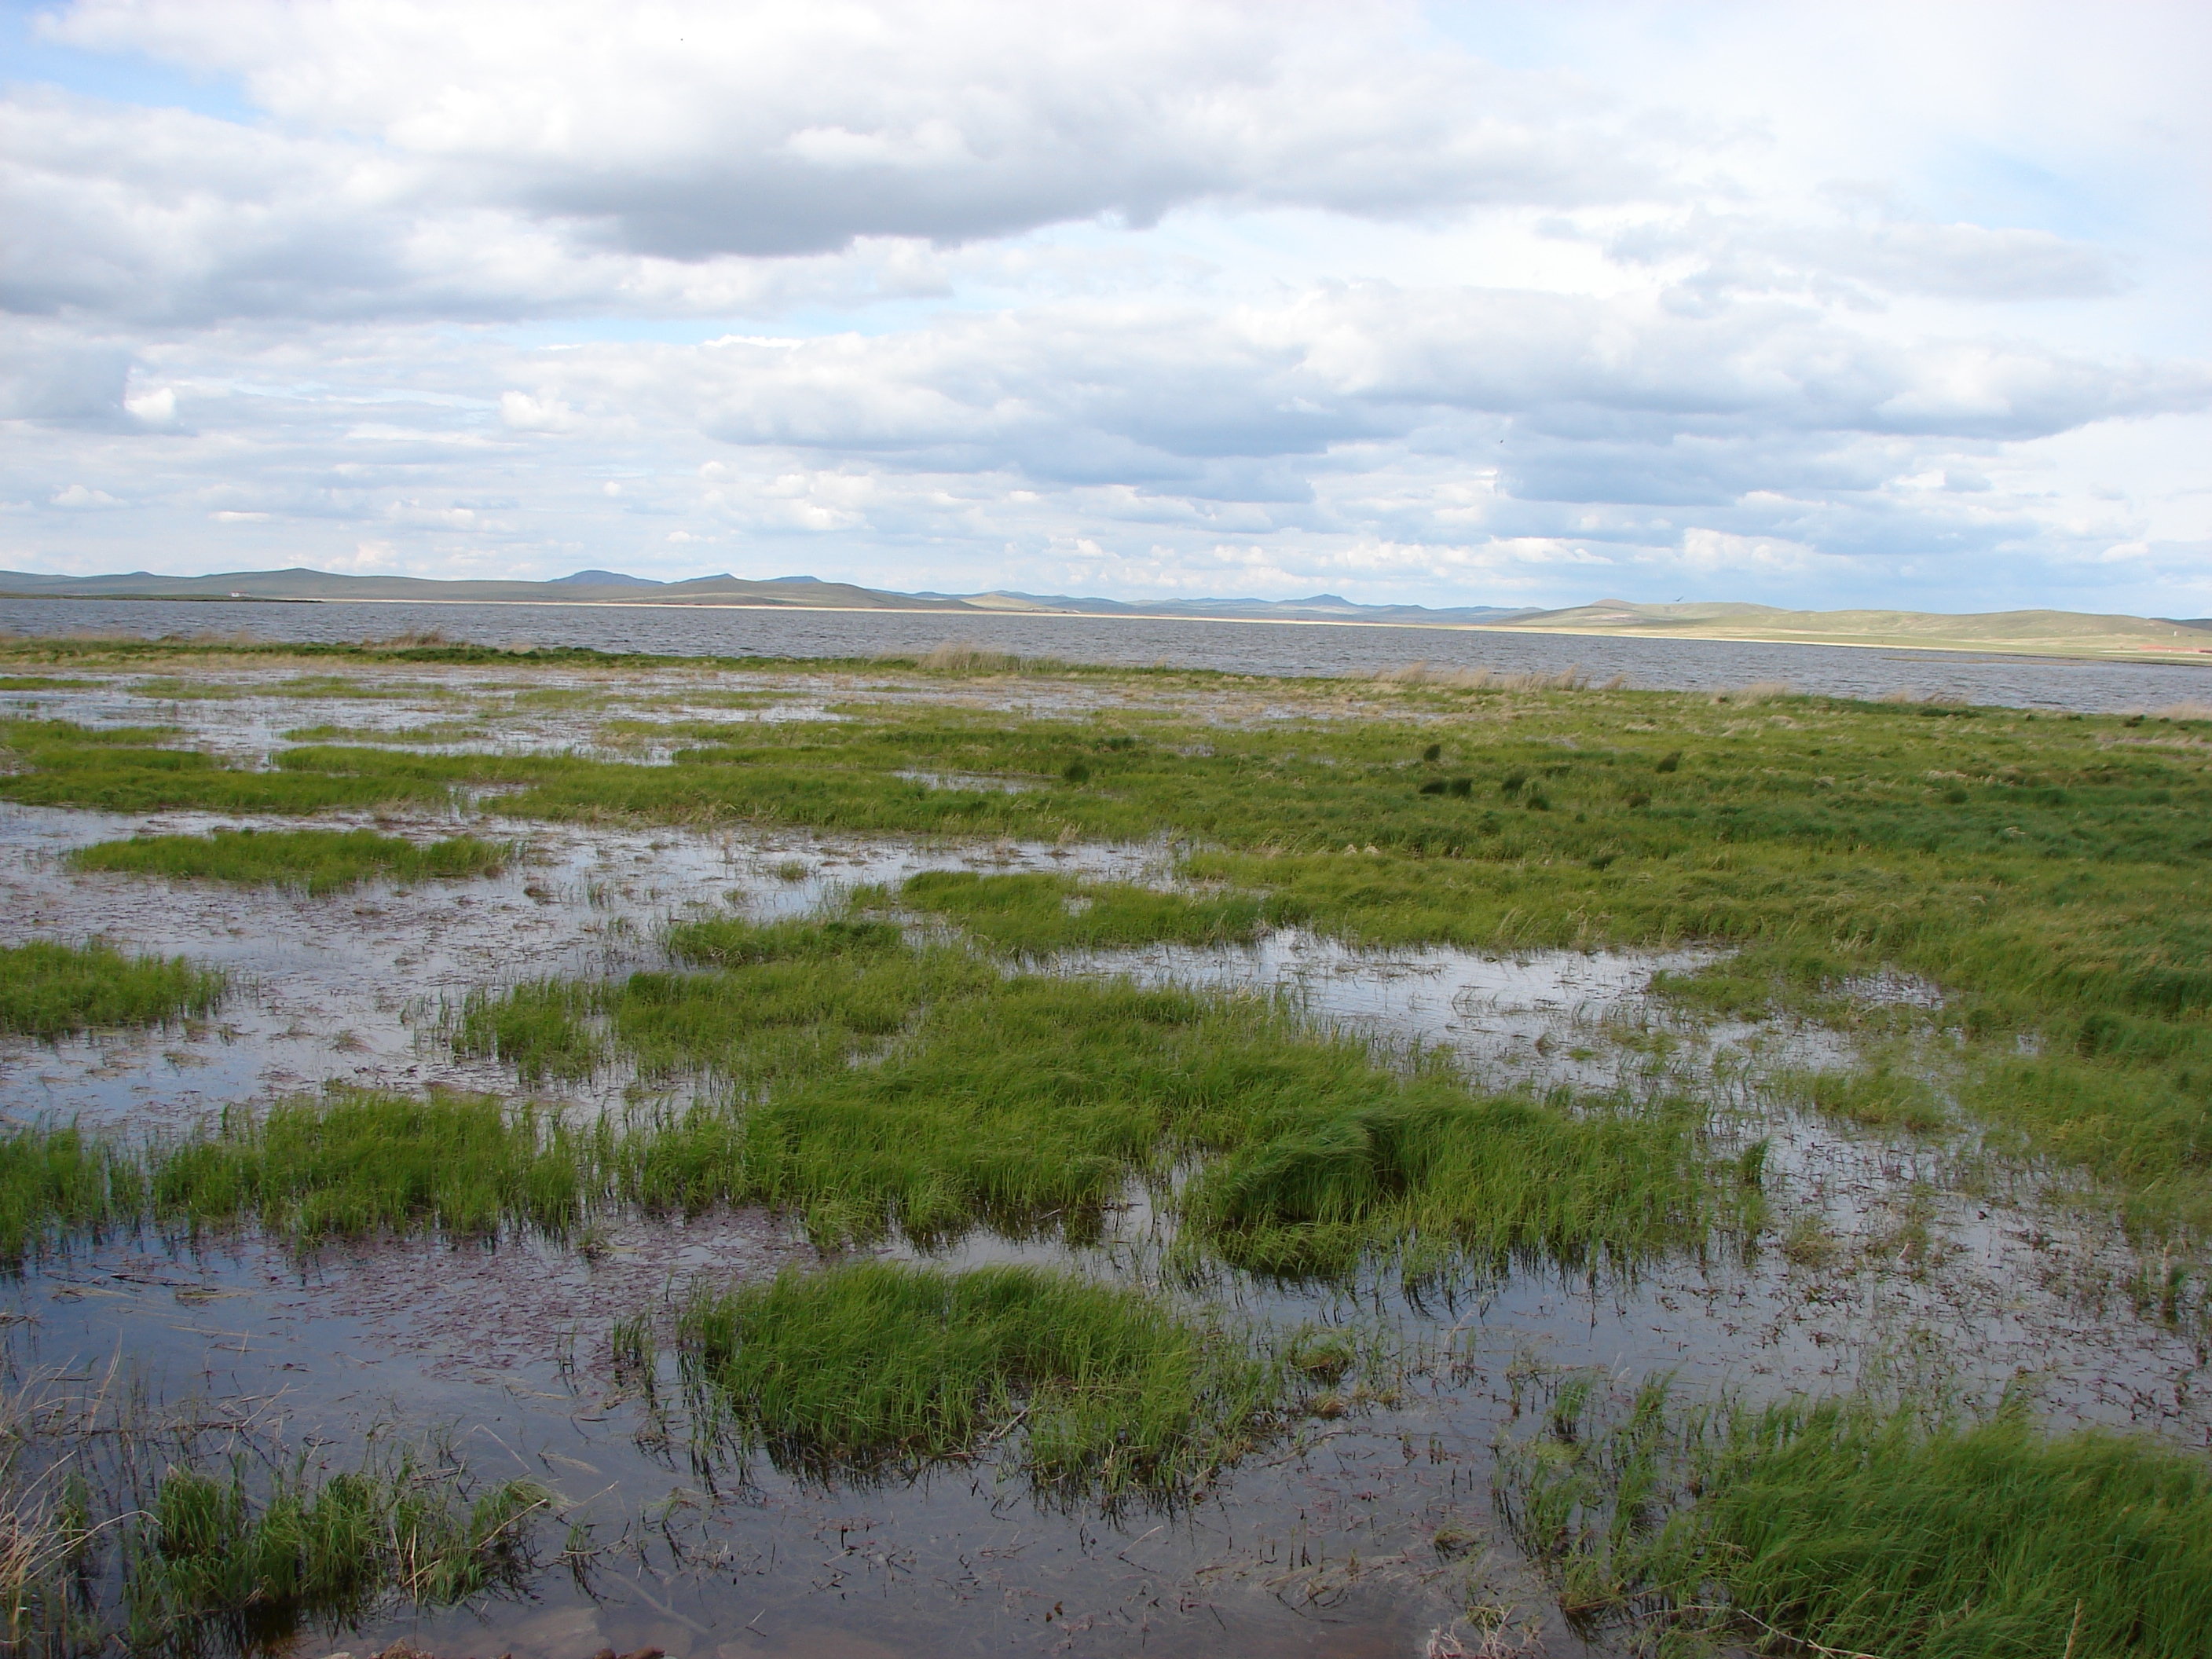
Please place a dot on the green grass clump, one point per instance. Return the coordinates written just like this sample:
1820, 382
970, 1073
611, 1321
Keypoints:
356, 1162
872, 1366
434, 732
60, 1180
133, 1529
129, 769
1034, 1102
313, 860
801, 996
1440, 1175
347, 1164
1036, 913
730, 942
1861, 1528
543, 1028
208, 1560
1877, 1097
51, 991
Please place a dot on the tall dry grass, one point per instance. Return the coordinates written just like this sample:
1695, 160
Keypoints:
1422, 672
1757, 691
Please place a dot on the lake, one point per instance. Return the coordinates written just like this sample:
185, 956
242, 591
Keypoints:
1273, 648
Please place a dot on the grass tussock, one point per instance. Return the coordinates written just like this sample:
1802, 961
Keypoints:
872, 1087
967, 657
349, 1163
876, 1367
357, 1161
51, 990
544, 1028
733, 942
1045, 911
210, 1559
1878, 1097
1857, 1528
1425, 674
57, 1181
311, 860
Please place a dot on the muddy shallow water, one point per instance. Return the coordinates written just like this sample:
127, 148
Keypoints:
1917, 1260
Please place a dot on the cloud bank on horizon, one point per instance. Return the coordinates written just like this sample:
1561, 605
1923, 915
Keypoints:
1453, 304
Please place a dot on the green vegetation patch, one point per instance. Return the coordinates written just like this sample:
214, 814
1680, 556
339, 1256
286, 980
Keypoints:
50, 990
338, 686
151, 1545
350, 1163
432, 733
313, 860
131, 769
795, 998
1046, 912
1877, 1097
732, 941
356, 1162
545, 1029
207, 1560
59, 1180
2052, 875
872, 1086
873, 1366
171, 688
1866, 1530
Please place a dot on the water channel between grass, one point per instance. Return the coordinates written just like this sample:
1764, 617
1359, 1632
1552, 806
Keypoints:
1931, 1264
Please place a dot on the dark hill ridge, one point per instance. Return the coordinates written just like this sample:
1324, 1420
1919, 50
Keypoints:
604, 579
790, 592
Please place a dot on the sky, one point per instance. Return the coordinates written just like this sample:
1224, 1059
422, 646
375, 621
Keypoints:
1887, 305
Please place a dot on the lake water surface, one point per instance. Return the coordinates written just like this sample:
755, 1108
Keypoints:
1278, 648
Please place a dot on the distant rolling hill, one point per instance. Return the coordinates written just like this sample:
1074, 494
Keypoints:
784, 593
2042, 633
2046, 633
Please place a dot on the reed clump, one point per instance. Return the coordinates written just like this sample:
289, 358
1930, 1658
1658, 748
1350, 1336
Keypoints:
52, 990
349, 1162
1485, 679
1857, 1526
210, 1557
358, 1161
309, 861
187, 1530
57, 1181
875, 1368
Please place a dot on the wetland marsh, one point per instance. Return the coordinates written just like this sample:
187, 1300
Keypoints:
962, 1154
